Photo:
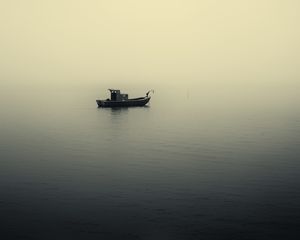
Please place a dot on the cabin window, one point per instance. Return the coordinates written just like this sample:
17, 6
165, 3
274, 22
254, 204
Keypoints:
113, 96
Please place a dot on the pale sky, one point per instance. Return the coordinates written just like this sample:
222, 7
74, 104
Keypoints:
189, 42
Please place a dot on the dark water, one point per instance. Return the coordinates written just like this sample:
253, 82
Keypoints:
195, 164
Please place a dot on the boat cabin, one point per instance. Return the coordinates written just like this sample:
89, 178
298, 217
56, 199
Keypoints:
116, 95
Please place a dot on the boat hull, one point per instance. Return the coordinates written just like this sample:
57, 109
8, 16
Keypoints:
136, 102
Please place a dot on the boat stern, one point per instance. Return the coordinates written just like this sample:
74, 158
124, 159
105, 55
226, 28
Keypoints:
100, 103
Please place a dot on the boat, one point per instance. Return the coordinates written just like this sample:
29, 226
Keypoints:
118, 99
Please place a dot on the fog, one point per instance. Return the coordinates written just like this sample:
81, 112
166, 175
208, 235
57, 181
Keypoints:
159, 42
213, 155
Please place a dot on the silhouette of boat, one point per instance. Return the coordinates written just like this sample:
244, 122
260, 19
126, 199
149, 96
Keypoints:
119, 99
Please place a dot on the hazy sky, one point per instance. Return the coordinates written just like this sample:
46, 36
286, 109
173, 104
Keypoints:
194, 42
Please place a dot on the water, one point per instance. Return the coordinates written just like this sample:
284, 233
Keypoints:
195, 164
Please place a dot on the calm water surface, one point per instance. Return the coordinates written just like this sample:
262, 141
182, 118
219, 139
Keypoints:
194, 164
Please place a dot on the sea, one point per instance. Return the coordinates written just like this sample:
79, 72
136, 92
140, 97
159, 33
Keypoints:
196, 163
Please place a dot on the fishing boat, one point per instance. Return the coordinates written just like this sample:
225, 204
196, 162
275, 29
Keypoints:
118, 99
